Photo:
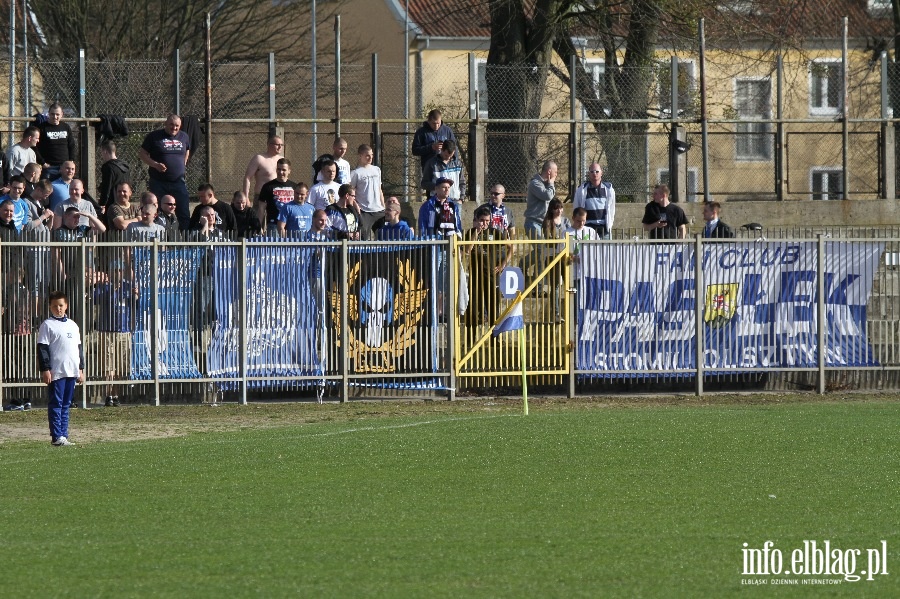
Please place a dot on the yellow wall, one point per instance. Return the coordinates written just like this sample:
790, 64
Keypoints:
810, 145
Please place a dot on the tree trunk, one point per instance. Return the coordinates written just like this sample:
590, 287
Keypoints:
516, 80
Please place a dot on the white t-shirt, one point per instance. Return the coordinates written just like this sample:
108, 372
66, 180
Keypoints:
323, 195
367, 181
64, 340
140, 232
343, 171
584, 233
18, 158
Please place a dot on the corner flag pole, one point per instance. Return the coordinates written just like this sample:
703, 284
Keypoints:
524, 378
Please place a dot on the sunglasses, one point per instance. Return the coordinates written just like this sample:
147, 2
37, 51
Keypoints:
496, 193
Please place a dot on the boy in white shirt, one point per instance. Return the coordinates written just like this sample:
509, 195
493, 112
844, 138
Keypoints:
580, 232
61, 362
324, 193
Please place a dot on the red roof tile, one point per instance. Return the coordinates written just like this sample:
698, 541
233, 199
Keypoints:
783, 20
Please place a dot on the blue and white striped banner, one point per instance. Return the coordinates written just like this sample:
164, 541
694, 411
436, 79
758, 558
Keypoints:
176, 282
284, 329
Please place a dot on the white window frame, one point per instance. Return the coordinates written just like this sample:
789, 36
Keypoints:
740, 7
666, 111
827, 171
815, 79
597, 69
693, 174
764, 128
879, 8
481, 77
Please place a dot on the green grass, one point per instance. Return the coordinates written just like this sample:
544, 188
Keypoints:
654, 501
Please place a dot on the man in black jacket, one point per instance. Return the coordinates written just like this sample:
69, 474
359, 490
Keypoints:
112, 173
430, 137
715, 228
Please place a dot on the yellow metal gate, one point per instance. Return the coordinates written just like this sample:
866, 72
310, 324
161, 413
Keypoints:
483, 360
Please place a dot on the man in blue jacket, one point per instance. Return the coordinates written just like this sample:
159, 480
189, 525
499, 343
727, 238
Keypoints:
430, 137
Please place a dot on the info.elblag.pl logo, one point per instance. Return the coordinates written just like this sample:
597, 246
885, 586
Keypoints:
813, 563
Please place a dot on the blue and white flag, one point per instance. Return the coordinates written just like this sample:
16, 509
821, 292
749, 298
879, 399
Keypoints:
283, 321
513, 321
176, 283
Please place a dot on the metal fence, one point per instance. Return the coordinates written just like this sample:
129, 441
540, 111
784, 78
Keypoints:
279, 319
775, 127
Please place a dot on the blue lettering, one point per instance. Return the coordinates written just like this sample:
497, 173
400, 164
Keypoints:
768, 259
765, 314
642, 300
605, 294
745, 258
752, 292
791, 254
839, 295
661, 258
728, 258
790, 281
678, 301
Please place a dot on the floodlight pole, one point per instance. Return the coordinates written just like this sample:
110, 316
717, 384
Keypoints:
12, 69
313, 91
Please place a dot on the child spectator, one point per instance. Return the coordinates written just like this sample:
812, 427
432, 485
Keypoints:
61, 362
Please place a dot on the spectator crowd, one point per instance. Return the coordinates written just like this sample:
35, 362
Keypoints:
42, 200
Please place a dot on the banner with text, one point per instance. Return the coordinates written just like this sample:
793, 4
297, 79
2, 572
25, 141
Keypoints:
637, 306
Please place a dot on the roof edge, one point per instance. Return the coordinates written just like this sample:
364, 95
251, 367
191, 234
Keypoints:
398, 8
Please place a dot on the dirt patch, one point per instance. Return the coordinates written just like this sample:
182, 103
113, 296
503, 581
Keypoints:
131, 423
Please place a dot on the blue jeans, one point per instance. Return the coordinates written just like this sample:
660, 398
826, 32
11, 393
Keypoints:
178, 190
50, 173
533, 230
60, 394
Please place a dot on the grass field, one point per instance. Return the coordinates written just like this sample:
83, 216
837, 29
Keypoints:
440, 499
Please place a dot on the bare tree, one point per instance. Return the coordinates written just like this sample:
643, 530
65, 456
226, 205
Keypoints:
525, 36
129, 46
129, 30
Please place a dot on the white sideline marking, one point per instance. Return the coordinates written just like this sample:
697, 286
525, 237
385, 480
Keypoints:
406, 425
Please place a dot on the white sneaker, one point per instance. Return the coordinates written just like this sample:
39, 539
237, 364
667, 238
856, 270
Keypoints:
61, 441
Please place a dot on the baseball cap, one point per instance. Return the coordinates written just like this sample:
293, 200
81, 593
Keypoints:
443, 180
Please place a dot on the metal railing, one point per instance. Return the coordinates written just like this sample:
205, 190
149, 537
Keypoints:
271, 319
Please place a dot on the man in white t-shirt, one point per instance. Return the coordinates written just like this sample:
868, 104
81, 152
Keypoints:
325, 192
366, 178
22, 154
338, 150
